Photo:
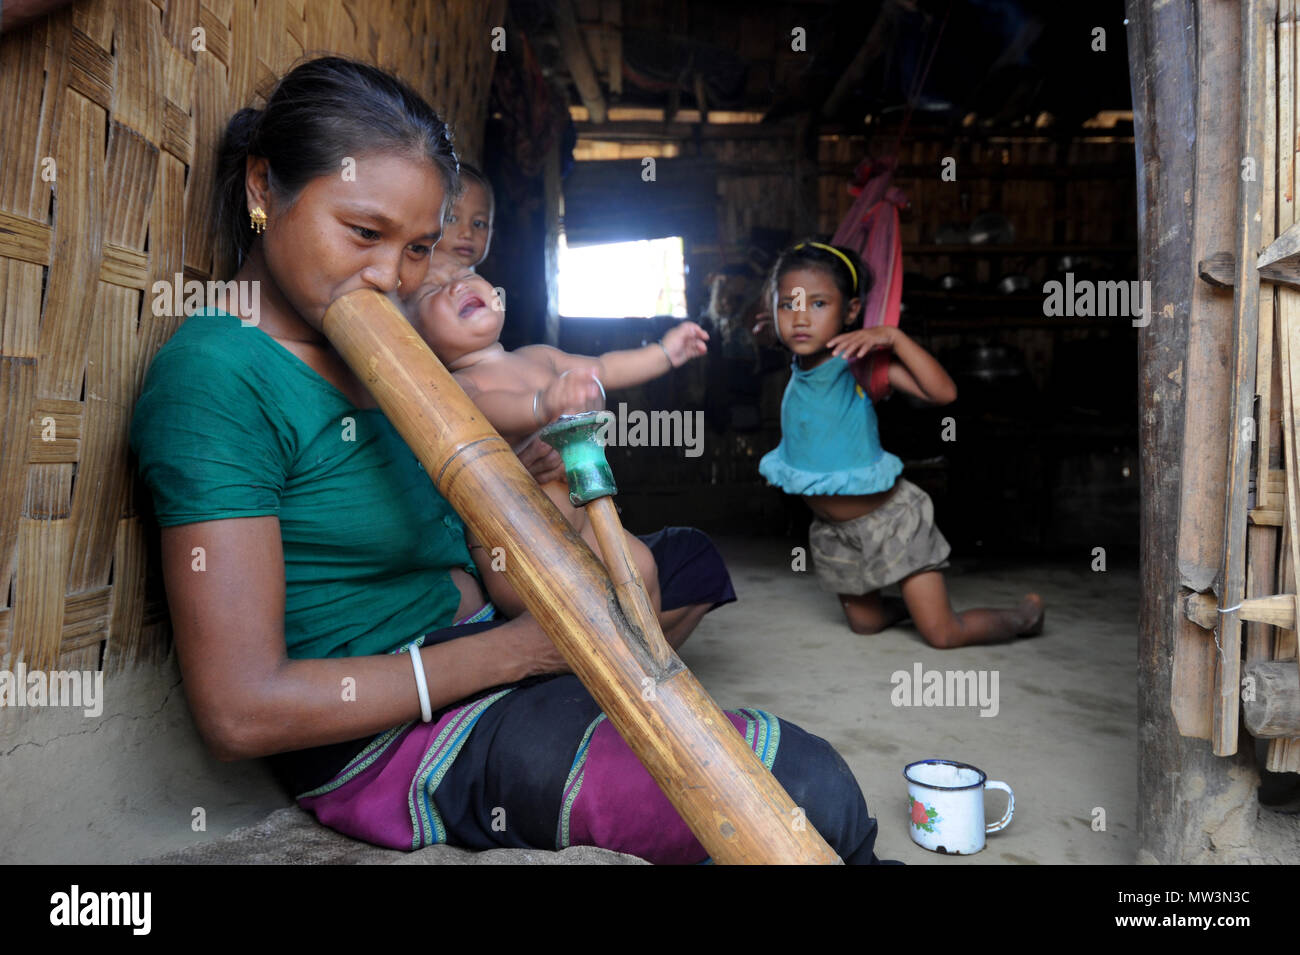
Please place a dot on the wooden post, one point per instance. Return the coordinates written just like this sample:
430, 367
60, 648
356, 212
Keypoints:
552, 198
1182, 57
735, 807
1206, 428
1227, 703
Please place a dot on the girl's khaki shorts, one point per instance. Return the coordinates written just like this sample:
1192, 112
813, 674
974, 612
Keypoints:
896, 540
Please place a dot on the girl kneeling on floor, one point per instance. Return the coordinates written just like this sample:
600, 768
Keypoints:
872, 528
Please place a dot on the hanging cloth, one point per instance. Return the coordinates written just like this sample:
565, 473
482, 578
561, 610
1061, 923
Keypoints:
871, 230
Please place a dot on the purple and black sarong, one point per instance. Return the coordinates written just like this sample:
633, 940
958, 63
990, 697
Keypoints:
537, 765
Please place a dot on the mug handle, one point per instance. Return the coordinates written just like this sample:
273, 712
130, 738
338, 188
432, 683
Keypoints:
1011, 806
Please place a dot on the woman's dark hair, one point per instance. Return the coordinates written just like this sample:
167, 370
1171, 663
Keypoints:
468, 172
320, 112
850, 275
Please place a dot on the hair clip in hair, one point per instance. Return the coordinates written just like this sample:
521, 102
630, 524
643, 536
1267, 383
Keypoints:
257, 219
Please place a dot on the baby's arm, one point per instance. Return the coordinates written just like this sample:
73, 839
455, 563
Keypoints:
509, 398
510, 411
633, 366
912, 369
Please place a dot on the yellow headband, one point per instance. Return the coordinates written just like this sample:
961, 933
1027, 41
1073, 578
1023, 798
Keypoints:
834, 251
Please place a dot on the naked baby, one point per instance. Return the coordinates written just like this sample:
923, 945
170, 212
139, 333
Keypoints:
459, 315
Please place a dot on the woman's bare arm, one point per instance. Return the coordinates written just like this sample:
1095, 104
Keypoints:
249, 699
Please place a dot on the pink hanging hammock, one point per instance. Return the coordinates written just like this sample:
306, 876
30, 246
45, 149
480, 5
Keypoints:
871, 230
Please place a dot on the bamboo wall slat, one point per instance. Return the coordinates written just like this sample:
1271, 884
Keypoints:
1284, 754
113, 103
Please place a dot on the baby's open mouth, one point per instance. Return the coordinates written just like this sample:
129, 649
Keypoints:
471, 304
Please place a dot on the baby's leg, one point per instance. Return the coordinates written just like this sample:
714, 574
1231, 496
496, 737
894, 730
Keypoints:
646, 566
641, 556
558, 492
926, 596
871, 613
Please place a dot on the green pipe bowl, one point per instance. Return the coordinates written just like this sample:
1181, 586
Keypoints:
575, 436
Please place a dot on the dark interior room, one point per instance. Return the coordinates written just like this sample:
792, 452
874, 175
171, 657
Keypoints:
390, 388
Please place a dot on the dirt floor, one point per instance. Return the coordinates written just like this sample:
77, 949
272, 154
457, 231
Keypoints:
1064, 735
135, 782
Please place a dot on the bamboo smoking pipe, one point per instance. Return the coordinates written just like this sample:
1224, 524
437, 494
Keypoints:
591, 485
719, 787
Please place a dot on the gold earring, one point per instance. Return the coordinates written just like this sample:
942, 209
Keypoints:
258, 219
399, 283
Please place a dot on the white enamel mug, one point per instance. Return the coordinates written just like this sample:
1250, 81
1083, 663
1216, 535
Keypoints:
945, 802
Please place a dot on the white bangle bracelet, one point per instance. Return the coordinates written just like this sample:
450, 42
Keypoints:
426, 711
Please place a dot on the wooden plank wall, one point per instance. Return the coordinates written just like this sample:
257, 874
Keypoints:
1280, 309
111, 122
1205, 369
1062, 193
1205, 691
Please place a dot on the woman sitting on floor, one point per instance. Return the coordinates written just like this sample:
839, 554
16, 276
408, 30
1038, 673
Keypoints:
327, 551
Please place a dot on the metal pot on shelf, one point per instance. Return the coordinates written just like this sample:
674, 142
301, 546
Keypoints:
1015, 284
993, 379
992, 228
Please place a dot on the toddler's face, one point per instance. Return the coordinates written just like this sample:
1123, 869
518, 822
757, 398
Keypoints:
809, 311
468, 227
455, 310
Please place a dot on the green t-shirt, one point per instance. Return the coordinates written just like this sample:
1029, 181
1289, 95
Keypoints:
232, 424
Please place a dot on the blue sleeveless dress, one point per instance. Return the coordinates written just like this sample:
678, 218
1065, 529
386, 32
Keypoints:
830, 441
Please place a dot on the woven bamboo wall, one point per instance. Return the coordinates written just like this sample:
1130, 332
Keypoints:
111, 120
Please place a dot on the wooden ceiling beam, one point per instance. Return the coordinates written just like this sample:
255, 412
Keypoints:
579, 61
701, 101
872, 47
682, 131
612, 14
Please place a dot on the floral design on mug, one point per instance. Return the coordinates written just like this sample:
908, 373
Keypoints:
923, 817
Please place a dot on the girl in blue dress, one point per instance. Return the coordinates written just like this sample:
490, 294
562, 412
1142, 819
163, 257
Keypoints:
872, 527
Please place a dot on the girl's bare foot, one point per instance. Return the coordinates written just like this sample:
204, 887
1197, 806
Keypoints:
1032, 612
